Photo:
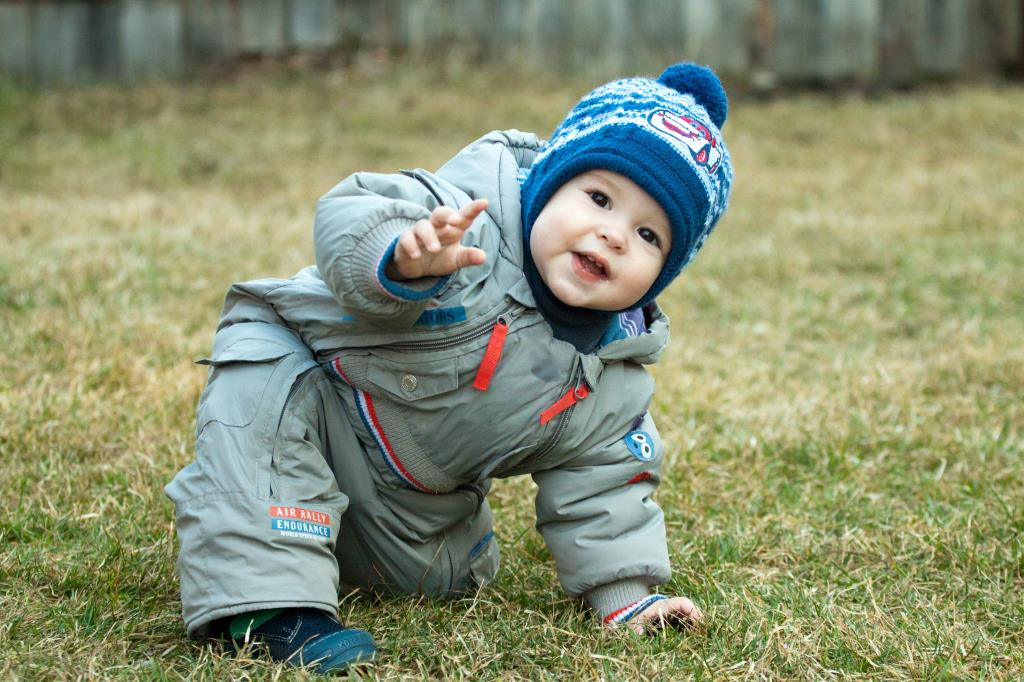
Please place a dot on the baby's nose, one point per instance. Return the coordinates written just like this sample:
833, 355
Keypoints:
612, 236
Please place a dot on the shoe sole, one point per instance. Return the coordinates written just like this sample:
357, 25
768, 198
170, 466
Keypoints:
337, 651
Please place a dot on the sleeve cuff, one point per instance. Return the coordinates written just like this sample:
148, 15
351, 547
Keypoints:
407, 290
612, 602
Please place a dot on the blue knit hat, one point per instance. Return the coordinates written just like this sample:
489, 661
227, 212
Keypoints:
664, 135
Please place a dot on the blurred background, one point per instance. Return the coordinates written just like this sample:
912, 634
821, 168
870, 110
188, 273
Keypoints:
763, 43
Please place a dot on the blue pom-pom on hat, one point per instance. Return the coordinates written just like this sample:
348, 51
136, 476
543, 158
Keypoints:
664, 135
703, 84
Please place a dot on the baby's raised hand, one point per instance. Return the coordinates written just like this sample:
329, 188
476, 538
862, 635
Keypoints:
431, 248
674, 611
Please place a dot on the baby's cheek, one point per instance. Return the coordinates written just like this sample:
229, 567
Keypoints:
649, 271
548, 263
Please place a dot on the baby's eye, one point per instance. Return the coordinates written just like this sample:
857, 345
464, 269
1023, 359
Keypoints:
649, 235
601, 199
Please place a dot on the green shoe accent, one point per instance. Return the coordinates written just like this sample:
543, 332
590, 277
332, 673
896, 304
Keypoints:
247, 622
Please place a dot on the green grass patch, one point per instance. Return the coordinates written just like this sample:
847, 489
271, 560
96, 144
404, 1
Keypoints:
842, 399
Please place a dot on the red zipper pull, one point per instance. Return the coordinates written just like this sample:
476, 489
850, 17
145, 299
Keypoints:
491, 356
571, 397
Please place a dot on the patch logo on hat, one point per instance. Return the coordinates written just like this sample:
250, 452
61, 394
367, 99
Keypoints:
640, 445
696, 136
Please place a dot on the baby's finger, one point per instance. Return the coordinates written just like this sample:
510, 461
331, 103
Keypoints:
426, 233
681, 613
468, 213
637, 626
440, 216
451, 234
469, 255
407, 246
694, 613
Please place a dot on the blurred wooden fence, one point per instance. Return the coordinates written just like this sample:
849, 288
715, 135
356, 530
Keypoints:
762, 42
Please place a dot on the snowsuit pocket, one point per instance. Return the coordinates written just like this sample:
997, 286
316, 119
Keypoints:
413, 381
248, 366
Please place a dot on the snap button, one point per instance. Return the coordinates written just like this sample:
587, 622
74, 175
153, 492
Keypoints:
409, 383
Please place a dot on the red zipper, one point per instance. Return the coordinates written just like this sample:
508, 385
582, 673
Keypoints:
571, 397
491, 356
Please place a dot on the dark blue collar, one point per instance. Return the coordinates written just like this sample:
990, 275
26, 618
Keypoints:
581, 327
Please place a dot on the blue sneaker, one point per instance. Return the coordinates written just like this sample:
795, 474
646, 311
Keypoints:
304, 637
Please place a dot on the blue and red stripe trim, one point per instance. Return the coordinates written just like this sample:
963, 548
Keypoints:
336, 366
368, 415
626, 612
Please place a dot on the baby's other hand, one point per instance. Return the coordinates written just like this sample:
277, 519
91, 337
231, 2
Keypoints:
431, 248
678, 612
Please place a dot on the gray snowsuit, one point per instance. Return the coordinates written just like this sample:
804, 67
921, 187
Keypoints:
351, 425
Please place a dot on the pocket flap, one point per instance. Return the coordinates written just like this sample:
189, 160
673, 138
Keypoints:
247, 350
413, 381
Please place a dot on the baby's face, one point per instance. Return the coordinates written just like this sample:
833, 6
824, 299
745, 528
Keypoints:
600, 241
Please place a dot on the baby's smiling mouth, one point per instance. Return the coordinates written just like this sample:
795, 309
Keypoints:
589, 267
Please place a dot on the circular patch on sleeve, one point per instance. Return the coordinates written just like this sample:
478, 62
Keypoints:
640, 445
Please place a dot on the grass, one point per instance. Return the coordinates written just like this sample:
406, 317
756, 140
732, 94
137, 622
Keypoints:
843, 397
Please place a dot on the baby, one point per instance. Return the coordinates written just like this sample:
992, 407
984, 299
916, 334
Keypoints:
488, 320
